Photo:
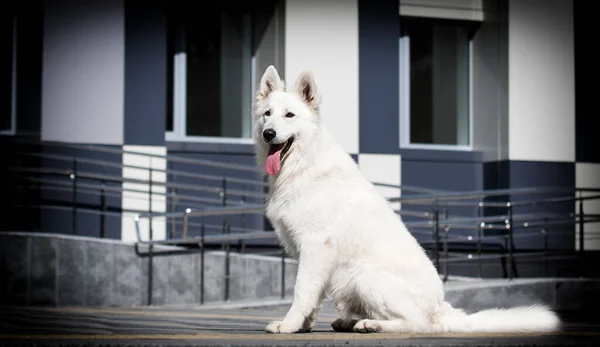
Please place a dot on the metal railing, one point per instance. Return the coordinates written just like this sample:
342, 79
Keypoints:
454, 227
439, 223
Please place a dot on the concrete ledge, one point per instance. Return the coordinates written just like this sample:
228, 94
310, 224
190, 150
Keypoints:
39, 269
59, 270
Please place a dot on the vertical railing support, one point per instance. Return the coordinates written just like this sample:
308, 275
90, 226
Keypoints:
479, 234
545, 235
510, 228
282, 273
446, 256
202, 247
224, 203
150, 237
227, 267
581, 222
73, 177
436, 235
103, 207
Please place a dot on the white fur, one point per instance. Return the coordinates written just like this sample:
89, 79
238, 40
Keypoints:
352, 247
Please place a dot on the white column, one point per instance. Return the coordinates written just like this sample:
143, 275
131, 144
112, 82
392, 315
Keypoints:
383, 168
322, 36
541, 81
83, 71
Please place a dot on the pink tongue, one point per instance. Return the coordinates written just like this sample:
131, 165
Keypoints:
273, 164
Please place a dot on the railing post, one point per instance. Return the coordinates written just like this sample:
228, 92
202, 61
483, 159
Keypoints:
150, 231
282, 272
202, 262
74, 198
545, 234
581, 222
436, 234
241, 245
224, 203
227, 265
510, 228
103, 214
446, 234
184, 227
150, 236
479, 234
173, 208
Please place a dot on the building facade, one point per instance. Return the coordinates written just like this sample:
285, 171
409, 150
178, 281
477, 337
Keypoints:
457, 95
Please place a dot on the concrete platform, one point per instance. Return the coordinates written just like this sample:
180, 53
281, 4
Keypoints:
80, 326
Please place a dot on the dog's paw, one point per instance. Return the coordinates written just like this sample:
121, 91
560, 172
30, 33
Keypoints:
367, 326
274, 327
343, 325
278, 327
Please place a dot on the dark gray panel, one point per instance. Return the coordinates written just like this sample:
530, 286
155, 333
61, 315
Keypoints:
448, 176
57, 195
210, 147
145, 72
524, 174
29, 67
586, 121
433, 155
378, 34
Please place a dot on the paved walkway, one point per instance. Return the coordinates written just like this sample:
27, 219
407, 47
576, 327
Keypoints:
78, 326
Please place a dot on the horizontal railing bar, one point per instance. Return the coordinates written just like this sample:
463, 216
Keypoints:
105, 163
480, 194
172, 158
554, 200
97, 190
100, 177
444, 198
216, 211
80, 209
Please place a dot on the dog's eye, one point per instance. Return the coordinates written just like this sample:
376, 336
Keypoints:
289, 115
267, 113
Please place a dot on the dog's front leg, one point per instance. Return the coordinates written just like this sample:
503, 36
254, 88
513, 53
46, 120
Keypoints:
314, 269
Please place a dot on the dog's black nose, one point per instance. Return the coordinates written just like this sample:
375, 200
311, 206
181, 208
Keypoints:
269, 134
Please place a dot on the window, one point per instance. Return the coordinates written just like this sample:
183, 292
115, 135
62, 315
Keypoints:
9, 76
435, 90
214, 54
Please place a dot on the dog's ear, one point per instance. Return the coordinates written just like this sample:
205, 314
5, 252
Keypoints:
307, 89
269, 82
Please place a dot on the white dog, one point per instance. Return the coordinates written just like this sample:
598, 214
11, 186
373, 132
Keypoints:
352, 247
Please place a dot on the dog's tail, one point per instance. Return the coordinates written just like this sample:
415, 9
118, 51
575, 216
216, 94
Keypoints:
525, 319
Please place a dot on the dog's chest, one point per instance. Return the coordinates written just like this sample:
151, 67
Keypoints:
290, 210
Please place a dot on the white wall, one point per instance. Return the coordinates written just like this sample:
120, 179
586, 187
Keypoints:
322, 36
83, 71
587, 175
383, 168
541, 81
